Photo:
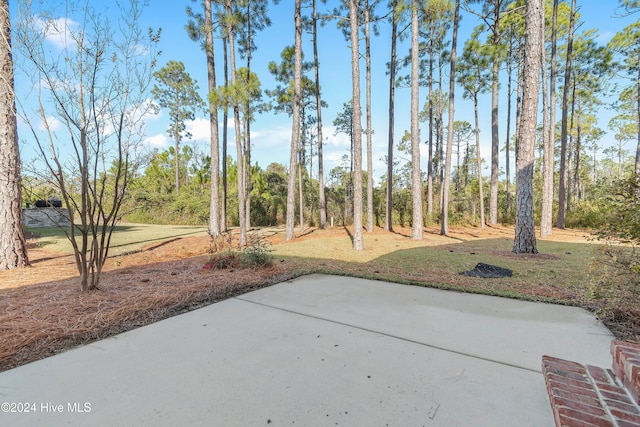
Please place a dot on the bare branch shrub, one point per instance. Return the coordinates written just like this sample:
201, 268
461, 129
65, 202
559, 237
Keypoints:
90, 78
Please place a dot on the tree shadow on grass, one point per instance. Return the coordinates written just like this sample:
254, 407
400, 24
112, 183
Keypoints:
427, 231
348, 233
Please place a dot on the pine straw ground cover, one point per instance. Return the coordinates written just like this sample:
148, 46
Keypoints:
43, 311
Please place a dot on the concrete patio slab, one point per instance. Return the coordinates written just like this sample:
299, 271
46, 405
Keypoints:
315, 351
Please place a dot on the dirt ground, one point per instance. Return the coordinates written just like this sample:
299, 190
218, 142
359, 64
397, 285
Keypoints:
43, 311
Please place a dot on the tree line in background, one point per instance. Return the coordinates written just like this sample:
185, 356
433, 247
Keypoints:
567, 150
535, 47
153, 199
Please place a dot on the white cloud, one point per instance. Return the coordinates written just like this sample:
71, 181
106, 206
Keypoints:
339, 140
157, 141
153, 107
280, 136
271, 137
59, 32
335, 157
199, 130
53, 123
424, 151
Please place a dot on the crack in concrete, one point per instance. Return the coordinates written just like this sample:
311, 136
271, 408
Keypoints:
337, 322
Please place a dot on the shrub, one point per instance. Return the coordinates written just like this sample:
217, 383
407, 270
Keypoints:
615, 273
221, 243
623, 213
587, 215
615, 278
257, 253
222, 260
224, 255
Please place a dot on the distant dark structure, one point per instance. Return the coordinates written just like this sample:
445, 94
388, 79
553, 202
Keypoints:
46, 213
51, 202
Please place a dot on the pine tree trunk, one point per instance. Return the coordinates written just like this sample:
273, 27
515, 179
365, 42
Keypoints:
458, 152
390, 142
301, 163
525, 236
369, 130
247, 127
247, 175
507, 143
236, 119
416, 176
225, 123
321, 195
295, 129
430, 155
562, 186
576, 168
546, 218
479, 161
176, 160
545, 116
358, 240
13, 247
495, 135
444, 220
570, 150
214, 205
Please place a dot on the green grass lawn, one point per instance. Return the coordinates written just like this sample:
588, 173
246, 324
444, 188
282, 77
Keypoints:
560, 273
127, 237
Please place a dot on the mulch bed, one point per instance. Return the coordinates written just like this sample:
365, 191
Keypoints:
41, 319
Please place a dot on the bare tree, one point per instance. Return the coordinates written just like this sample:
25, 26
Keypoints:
13, 248
525, 235
91, 101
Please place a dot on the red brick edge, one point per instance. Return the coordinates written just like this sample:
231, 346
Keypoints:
587, 396
626, 365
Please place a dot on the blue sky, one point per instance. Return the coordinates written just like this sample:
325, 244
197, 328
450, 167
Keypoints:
271, 132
